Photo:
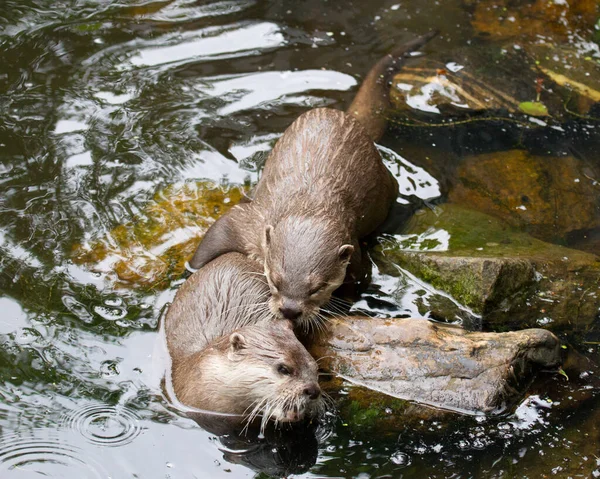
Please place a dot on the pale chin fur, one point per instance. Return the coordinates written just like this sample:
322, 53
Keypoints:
285, 409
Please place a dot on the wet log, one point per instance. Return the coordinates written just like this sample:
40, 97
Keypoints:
437, 364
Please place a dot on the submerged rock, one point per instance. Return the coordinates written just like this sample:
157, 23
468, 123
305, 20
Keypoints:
559, 20
548, 196
512, 279
437, 364
155, 246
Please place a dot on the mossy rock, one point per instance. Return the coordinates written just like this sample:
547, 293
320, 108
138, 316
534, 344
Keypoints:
153, 248
507, 276
575, 76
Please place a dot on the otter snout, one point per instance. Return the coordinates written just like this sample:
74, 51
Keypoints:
290, 309
313, 391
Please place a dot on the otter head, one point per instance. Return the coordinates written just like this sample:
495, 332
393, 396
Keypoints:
305, 260
271, 374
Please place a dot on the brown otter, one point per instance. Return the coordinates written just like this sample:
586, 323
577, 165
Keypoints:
323, 188
227, 353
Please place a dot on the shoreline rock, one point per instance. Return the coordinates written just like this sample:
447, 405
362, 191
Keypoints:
510, 278
437, 364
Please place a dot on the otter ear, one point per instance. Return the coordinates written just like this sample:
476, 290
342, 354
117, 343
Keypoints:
268, 234
345, 252
237, 342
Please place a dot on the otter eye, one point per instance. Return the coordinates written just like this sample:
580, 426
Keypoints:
316, 289
284, 370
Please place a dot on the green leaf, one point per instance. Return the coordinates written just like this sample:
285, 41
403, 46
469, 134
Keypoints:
533, 108
89, 27
561, 371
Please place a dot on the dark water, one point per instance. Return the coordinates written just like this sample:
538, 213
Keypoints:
103, 103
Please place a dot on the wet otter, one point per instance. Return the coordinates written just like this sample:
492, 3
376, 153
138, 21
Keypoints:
323, 188
227, 353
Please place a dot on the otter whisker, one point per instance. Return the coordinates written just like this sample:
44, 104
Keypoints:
260, 406
342, 304
323, 357
268, 414
319, 322
334, 314
327, 402
341, 301
341, 308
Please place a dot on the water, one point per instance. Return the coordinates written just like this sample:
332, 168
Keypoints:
102, 105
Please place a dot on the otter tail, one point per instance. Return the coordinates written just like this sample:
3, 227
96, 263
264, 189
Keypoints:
373, 98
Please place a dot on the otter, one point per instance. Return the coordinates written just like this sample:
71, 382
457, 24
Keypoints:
227, 353
324, 187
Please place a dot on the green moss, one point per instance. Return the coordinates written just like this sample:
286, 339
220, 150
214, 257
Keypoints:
459, 284
361, 416
493, 269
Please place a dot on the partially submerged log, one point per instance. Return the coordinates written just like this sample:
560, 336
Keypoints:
437, 364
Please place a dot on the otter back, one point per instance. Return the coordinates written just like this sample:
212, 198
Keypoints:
225, 295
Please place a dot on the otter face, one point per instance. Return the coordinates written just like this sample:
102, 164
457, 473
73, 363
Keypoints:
304, 264
279, 377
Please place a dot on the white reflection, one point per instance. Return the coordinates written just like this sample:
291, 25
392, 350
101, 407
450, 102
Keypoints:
254, 145
69, 126
529, 412
10, 250
113, 98
81, 159
13, 317
430, 240
256, 89
175, 237
412, 179
212, 165
210, 42
437, 89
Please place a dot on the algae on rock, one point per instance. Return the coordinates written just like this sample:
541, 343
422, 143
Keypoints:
154, 247
509, 277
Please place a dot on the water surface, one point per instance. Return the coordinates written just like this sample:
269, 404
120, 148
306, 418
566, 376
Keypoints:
104, 103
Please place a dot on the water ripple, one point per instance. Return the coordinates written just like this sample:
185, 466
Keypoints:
189, 10
24, 454
104, 425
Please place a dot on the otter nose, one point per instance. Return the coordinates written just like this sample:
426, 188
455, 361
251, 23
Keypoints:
313, 391
290, 310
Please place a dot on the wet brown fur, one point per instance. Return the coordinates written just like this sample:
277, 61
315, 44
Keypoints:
323, 188
226, 350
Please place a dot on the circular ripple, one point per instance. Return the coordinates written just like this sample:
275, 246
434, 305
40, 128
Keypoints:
105, 425
50, 456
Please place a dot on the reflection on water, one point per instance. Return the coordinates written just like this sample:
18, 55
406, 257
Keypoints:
207, 44
102, 105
